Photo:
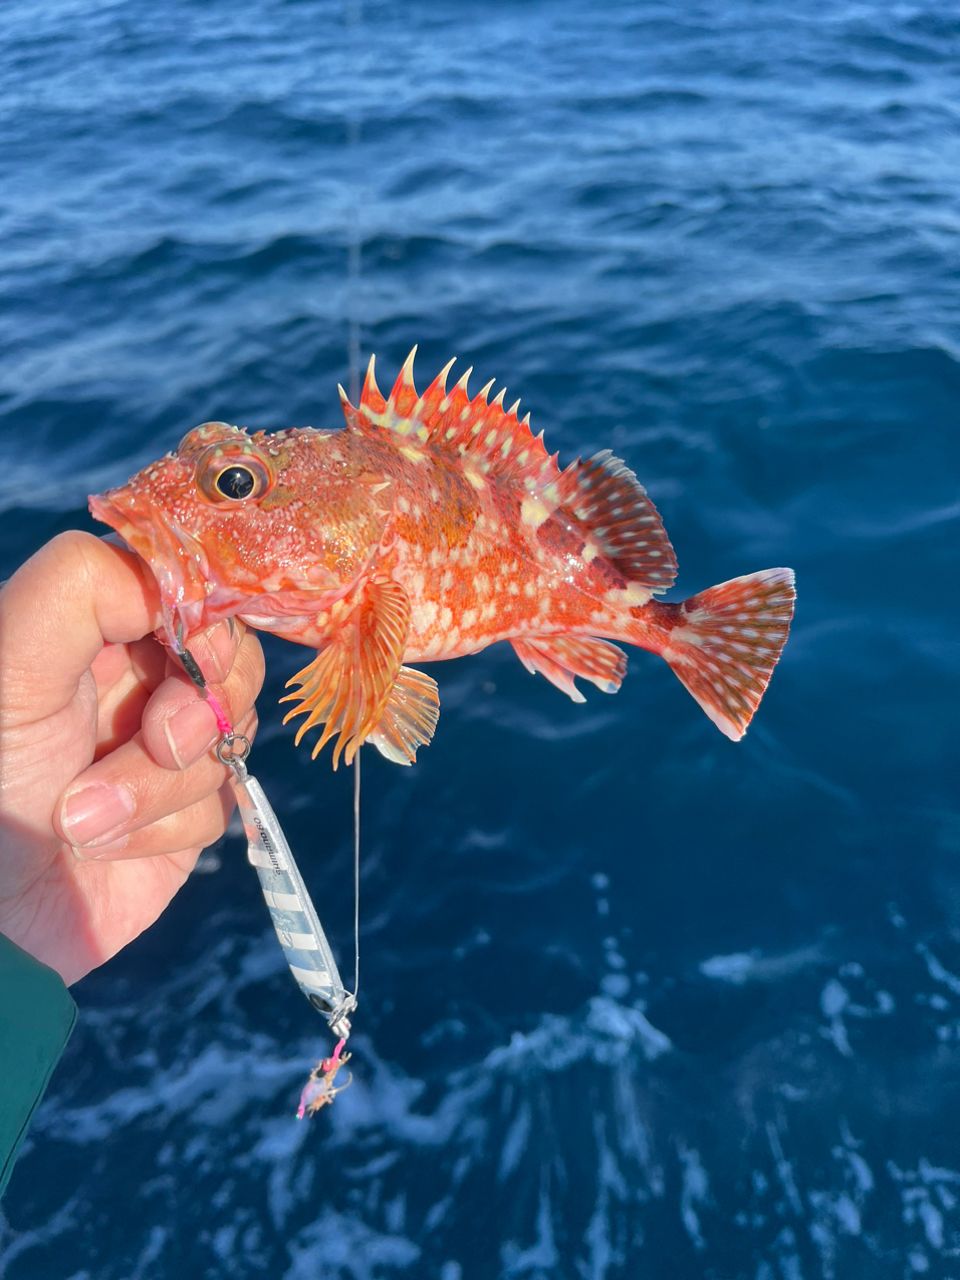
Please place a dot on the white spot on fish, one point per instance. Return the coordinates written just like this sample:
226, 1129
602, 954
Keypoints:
423, 616
631, 595
533, 512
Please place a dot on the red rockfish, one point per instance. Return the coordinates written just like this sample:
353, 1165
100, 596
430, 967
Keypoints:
434, 525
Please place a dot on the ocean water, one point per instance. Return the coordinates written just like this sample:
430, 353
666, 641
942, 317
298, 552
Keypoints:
636, 1002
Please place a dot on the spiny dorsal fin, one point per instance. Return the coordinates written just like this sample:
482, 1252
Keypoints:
478, 430
620, 522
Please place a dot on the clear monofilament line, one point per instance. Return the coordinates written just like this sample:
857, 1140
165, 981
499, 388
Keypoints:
356, 875
353, 335
354, 20
353, 15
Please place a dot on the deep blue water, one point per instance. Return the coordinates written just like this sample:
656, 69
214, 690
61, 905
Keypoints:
636, 1002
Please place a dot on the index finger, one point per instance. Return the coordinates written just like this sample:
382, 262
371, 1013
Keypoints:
59, 609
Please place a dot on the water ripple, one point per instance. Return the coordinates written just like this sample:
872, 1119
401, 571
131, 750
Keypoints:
630, 993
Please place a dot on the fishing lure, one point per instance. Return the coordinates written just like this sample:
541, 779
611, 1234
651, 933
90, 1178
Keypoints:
295, 920
319, 1090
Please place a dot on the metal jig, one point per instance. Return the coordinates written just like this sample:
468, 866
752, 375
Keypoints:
305, 946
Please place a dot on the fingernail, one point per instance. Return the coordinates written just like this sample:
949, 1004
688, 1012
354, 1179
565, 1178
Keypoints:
94, 814
190, 733
93, 852
214, 651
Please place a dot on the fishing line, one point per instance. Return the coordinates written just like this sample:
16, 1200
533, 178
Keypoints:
298, 928
354, 17
356, 875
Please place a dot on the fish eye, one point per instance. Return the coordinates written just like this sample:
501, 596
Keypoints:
228, 473
236, 482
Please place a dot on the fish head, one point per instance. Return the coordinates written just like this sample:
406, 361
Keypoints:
282, 523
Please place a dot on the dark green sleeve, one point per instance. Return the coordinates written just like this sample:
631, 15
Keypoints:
37, 1014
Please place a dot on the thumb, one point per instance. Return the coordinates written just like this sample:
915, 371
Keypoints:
60, 608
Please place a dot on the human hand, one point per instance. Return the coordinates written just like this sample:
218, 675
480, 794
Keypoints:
109, 787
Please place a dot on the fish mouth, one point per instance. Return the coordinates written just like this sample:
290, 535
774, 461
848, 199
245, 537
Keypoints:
174, 556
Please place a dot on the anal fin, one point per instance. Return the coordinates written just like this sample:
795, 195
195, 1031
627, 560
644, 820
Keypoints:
560, 658
409, 718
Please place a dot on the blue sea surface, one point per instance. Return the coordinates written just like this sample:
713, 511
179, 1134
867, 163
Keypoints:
635, 1002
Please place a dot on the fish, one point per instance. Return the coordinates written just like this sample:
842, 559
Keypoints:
430, 526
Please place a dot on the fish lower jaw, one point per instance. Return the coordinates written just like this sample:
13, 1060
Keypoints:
176, 560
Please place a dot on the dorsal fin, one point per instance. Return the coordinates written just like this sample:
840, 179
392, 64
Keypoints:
601, 495
612, 507
478, 430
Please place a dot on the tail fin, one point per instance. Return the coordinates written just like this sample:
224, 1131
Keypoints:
726, 642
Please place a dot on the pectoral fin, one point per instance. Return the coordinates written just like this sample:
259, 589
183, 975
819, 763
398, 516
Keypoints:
347, 686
